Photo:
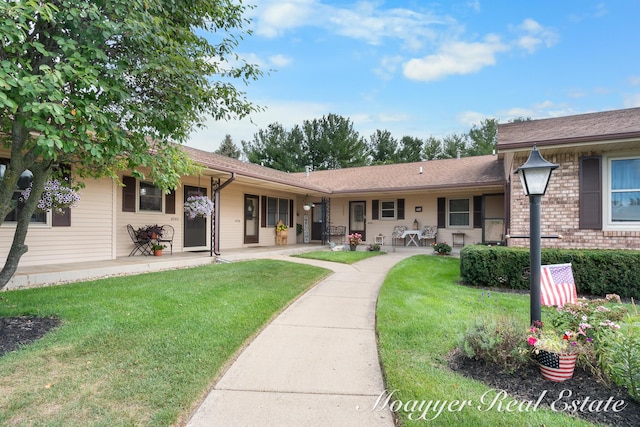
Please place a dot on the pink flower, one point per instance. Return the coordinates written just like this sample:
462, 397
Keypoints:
532, 340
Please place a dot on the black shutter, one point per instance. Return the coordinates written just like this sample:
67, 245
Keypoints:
477, 211
590, 193
290, 213
170, 200
375, 209
129, 194
400, 208
442, 212
263, 212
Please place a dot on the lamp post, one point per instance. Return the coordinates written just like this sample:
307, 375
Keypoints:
534, 175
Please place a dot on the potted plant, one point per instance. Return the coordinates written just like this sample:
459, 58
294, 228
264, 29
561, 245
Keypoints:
441, 248
572, 333
157, 249
354, 240
56, 196
155, 231
198, 207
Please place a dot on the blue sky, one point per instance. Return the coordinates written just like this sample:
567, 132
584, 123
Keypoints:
432, 69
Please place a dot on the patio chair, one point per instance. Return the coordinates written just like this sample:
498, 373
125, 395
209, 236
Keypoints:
398, 230
167, 236
429, 232
142, 244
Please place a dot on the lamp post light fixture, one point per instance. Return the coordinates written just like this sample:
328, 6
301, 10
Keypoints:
534, 175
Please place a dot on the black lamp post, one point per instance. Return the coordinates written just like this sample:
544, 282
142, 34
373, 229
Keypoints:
534, 175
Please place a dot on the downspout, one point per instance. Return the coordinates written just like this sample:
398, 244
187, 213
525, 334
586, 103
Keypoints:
216, 188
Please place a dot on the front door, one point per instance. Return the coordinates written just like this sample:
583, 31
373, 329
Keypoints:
317, 221
358, 218
251, 227
195, 230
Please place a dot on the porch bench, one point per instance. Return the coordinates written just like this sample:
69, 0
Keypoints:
337, 231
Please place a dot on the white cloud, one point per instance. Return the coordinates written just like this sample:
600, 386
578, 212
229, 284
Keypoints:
634, 80
364, 21
631, 100
388, 66
470, 118
286, 113
280, 60
455, 58
532, 36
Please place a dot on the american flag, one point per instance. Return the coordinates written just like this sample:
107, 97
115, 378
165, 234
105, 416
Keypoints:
556, 367
556, 285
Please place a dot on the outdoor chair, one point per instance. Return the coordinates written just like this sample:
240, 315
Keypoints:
167, 236
398, 231
141, 244
429, 232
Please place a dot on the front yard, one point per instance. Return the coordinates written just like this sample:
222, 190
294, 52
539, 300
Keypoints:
139, 350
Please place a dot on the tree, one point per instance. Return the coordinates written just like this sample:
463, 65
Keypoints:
454, 145
483, 138
332, 143
410, 149
433, 149
276, 148
382, 148
111, 85
228, 148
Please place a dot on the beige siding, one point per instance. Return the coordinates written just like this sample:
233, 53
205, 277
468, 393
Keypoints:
89, 238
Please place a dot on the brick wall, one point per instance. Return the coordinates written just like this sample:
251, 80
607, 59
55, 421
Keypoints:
560, 212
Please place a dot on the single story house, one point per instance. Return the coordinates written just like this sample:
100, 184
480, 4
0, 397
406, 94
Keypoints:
470, 199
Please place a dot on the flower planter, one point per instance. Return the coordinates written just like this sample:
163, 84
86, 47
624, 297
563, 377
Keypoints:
157, 252
353, 247
556, 367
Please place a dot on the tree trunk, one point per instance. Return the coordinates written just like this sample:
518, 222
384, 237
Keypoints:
18, 248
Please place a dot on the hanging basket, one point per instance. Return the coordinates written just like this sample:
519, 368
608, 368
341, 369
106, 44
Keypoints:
556, 367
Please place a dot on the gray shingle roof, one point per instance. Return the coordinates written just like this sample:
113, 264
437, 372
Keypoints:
602, 126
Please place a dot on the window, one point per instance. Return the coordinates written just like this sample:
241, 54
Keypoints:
624, 189
388, 209
23, 183
277, 210
150, 197
459, 212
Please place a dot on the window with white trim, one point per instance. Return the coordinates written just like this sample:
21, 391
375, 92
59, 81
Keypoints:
459, 212
388, 209
624, 191
277, 210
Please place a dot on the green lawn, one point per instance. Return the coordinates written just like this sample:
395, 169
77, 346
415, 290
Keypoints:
421, 310
344, 257
139, 350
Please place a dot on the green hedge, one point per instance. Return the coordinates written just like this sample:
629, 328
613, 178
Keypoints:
595, 271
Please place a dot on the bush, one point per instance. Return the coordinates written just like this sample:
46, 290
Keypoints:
620, 356
496, 340
596, 272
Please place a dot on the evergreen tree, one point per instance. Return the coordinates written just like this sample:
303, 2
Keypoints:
228, 148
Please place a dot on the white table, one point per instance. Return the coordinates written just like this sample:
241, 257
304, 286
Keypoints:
414, 237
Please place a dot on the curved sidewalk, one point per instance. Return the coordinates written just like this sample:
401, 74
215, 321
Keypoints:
316, 364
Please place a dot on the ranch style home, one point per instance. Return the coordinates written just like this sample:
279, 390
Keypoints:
593, 199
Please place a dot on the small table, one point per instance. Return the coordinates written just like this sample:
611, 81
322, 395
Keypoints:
380, 240
453, 238
413, 235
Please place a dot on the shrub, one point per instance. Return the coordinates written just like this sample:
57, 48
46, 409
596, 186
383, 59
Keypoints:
620, 355
497, 340
596, 272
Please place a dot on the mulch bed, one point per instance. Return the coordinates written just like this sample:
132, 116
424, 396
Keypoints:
527, 384
22, 330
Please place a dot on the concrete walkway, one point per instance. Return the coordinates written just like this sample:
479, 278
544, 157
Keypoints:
316, 364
